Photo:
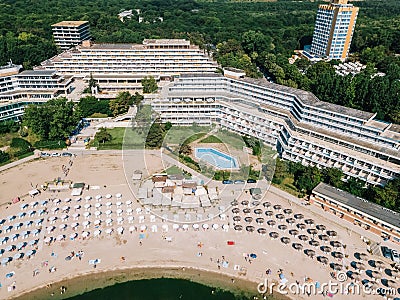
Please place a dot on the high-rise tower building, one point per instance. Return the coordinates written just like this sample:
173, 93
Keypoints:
334, 29
70, 33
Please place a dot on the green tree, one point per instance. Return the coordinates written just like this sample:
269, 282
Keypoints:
103, 135
155, 136
149, 85
90, 105
120, 105
332, 176
307, 179
4, 156
185, 149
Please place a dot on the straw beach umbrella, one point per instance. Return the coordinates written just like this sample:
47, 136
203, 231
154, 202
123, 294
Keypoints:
323, 237
282, 227
299, 216
312, 231
238, 227
309, 222
287, 211
303, 237
336, 244
362, 256
280, 217
248, 219
314, 243
293, 232
379, 264
326, 249
269, 213
237, 218
267, 204
250, 228
285, 240
290, 221
376, 275
246, 210
245, 203
338, 255
301, 226
235, 210
278, 207
310, 252
297, 246
258, 211
360, 266
321, 227
336, 267
274, 235
323, 259
331, 233
262, 231
271, 223
260, 221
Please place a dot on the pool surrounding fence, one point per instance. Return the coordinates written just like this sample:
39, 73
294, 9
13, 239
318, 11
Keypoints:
216, 158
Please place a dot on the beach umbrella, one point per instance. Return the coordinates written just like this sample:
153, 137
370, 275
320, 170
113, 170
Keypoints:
297, 246
21, 215
14, 236
132, 229
52, 218
298, 216
290, 221
165, 228
355, 276
120, 220
360, 266
60, 237
41, 212
77, 206
277, 207
108, 221
144, 227
97, 222
86, 214
86, 224
323, 237
338, 255
78, 199
376, 275
129, 211
98, 197
85, 234
303, 237
205, 226
30, 213
260, 221
128, 203
65, 208
2, 221
56, 201
245, 202
234, 203
87, 198
97, 205
287, 211
321, 227
314, 243
35, 232
238, 227
118, 204
87, 206
301, 226
67, 200
309, 221
62, 226
72, 236
293, 232
7, 228
195, 226
118, 195
39, 221
108, 196
48, 240
74, 225
379, 264
32, 242
336, 267
394, 273
11, 218
225, 227
331, 233
21, 245
255, 203
17, 256
120, 230
262, 231
336, 244
323, 259
108, 212
280, 217
237, 218
274, 235
97, 213
312, 231
50, 228
75, 216
64, 218
97, 232
119, 211
267, 204
362, 256
253, 255
310, 252
258, 211
184, 227
285, 240
392, 284
271, 223
23, 206
176, 227
246, 210
44, 203
282, 227
10, 248
269, 213
5, 260
248, 219
25, 234
326, 249
215, 226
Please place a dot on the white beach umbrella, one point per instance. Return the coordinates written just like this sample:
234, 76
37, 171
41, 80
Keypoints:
195, 226
143, 227
175, 226
61, 237
32, 242
78, 199
109, 230
67, 200
165, 227
154, 228
73, 236
185, 227
48, 239
130, 219
52, 218
25, 234
65, 208
62, 226
23, 206
21, 245
41, 212
225, 227
86, 224
30, 213
129, 211
215, 226
85, 234
64, 218
10, 248
138, 210
75, 216
108, 222
108, 204
98, 197
118, 204
77, 206
30, 253
18, 225
152, 218
44, 202
97, 213
141, 219
97, 232
120, 220
86, 214
17, 256
55, 210
87, 206
205, 226
97, 222
5, 261
35, 232
108, 212
132, 229
97, 205
118, 195
108, 196
128, 203
87, 198
11, 217
50, 228
33, 204
56, 201
119, 212
74, 225
120, 230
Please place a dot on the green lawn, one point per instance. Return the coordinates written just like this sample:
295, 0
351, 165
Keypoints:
211, 139
5, 139
131, 139
187, 134
287, 185
230, 138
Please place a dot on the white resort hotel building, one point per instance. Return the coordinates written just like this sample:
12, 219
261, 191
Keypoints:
301, 127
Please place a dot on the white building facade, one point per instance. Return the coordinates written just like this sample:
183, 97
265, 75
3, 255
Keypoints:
68, 34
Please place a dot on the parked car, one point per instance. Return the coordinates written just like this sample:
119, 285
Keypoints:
395, 256
55, 154
239, 181
44, 154
227, 181
66, 154
251, 181
386, 252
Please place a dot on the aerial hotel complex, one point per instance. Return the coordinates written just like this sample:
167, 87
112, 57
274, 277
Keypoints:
17, 89
301, 127
334, 29
122, 66
70, 33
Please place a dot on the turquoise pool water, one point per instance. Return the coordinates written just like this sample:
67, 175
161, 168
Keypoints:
216, 158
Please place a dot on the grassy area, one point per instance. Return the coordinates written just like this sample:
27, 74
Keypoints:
5, 139
131, 140
187, 134
211, 139
173, 170
230, 138
16, 158
287, 185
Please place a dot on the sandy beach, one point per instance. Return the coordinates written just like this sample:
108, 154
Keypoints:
149, 246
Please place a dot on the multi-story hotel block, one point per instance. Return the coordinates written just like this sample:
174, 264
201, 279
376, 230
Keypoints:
122, 66
70, 33
334, 29
19, 89
301, 127
370, 216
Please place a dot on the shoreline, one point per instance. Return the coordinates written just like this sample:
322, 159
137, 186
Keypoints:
85, 282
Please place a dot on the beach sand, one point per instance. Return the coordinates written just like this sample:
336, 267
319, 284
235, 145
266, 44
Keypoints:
106, 173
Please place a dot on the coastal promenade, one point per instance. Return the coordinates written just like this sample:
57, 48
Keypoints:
142, 242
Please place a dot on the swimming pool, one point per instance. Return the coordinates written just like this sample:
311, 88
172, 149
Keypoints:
216, 158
